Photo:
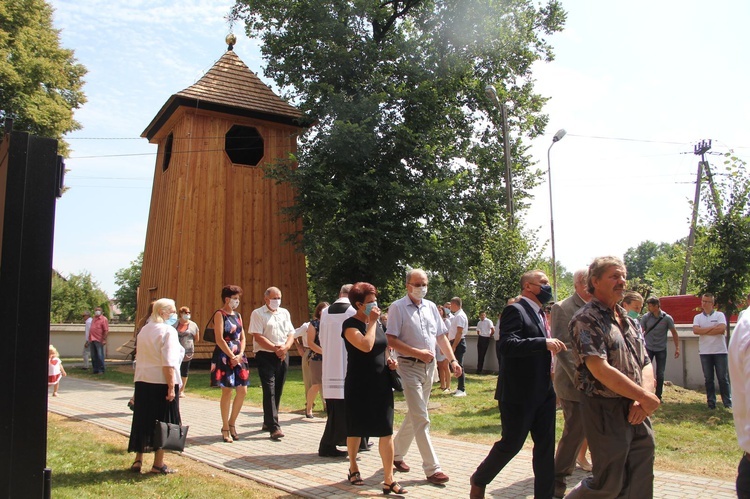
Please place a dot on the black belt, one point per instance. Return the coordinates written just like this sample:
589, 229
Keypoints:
413, 359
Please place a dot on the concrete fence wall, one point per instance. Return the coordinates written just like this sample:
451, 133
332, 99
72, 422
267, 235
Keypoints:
69, 339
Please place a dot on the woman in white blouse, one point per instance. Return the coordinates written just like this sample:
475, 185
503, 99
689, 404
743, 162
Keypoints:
157, 381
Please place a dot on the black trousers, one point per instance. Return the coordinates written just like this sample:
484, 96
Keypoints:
483, 343
335, 431
272, 374
518, 420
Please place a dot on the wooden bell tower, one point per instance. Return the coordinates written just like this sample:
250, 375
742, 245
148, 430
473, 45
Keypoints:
215, 219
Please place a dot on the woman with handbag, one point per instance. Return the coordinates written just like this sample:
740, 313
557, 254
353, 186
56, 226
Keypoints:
229, 367
157, 382
187, 331
368, 389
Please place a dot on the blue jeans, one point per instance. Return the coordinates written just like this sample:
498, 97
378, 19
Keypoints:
661, 364
718, 362
97, 356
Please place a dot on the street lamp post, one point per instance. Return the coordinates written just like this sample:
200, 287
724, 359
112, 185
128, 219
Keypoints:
491, 93
559, 135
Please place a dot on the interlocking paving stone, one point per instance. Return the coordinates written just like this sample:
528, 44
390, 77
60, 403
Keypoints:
293, 464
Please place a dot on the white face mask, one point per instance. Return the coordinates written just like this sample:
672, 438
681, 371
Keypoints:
98, 313
419, 293
274, 304
234, 303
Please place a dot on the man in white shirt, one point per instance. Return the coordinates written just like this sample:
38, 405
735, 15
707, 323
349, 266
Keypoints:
747, 299
86, 347
711, 325
739, 373
334, 373
415, 328
485, 330
273, 336
459, 327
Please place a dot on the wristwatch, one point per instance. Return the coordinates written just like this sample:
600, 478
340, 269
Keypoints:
452, 361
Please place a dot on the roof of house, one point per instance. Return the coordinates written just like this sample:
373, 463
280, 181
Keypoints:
230, 87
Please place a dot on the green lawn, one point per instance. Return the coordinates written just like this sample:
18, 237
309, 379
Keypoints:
689, 437
94, 463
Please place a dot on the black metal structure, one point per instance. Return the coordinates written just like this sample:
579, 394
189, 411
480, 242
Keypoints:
30, 181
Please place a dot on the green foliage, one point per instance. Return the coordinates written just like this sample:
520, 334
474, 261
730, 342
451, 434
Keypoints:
722, 250
666, 269
40, 82
128, 279
404, 166
639, 260
74, 295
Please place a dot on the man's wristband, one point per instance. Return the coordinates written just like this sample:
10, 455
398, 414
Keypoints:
453, 360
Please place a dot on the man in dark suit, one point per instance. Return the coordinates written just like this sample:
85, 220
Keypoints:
528, 399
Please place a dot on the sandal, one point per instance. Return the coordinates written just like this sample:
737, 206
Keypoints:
136, 466
233, 432
355, 478
226, 436
163, 470
395, 488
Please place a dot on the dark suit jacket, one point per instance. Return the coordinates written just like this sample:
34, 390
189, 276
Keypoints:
526, 360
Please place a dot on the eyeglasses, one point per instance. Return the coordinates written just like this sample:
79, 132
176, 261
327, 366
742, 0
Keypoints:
418, 285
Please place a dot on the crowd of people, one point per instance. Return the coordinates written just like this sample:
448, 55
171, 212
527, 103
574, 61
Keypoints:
592, 354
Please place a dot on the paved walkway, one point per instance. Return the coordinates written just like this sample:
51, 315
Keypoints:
293, 465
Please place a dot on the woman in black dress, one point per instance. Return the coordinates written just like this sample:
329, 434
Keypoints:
367, 388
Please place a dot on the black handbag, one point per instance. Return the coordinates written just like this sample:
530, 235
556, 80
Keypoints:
208, 332
395, 380
169, 436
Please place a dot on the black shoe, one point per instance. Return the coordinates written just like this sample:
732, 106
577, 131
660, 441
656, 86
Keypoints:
332, 453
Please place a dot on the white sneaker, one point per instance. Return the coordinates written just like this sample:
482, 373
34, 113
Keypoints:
459, 393
447, 391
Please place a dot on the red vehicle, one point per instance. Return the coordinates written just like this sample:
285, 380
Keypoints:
684, 308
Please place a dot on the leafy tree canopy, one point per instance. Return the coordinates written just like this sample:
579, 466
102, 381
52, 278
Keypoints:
722, 249
404, 165
74, 295
40, 82
128, 279
639, 260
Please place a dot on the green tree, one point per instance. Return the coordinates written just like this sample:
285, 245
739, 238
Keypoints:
40, 82
666, 269
403, 166
75, 294
722, 249
128, 279
639, 260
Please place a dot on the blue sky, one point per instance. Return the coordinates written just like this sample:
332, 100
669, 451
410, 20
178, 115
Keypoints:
654, 76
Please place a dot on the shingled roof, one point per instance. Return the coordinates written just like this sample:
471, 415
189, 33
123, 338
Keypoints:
230, 87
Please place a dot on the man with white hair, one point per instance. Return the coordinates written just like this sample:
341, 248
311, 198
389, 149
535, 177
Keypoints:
564, 376
273, 336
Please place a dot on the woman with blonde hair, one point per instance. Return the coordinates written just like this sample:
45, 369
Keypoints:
157, 383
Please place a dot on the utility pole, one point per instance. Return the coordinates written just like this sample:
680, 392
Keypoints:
699, 149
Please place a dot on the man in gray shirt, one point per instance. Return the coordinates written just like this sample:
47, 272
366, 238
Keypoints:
655, 325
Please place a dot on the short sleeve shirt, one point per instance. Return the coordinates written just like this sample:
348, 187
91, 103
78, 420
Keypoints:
484, 328
715, 343
656, 337
595, 331
459, 320
416, 325
276, 327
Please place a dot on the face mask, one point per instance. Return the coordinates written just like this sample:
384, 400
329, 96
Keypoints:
632, 314
98, 313
545, 294
419, 293
369, 307
171, 320
234, 303
274, 304
186, 317
447, 311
